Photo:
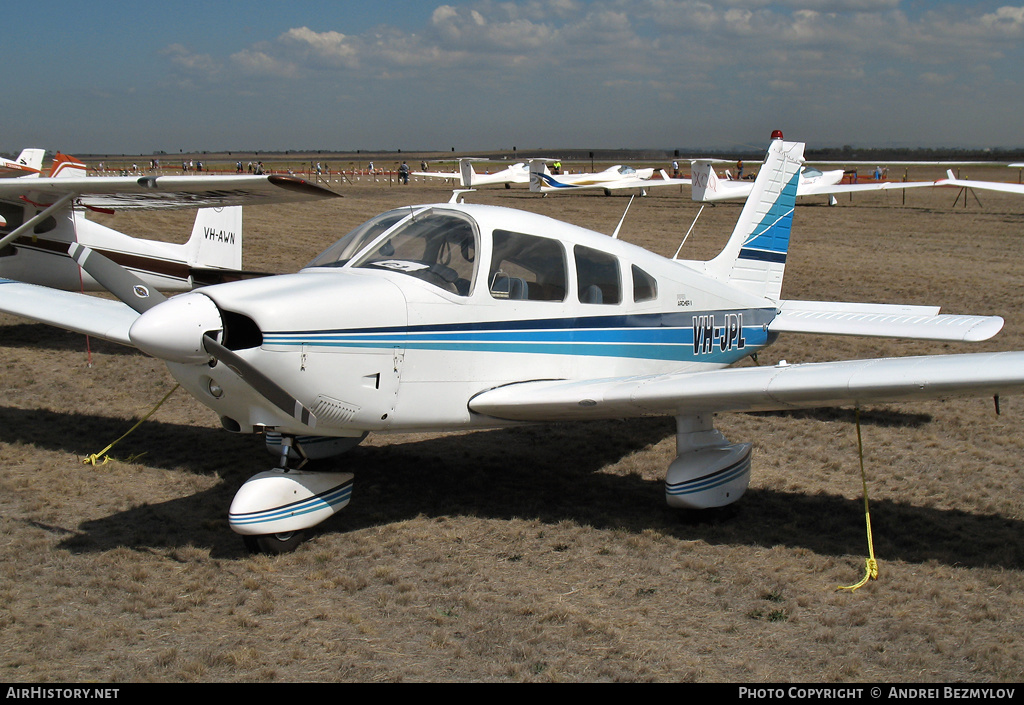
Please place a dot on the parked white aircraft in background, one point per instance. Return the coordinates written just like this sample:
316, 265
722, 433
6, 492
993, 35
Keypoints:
708, 187
468, 177
41, 217
614, 178
28, 163
457, 315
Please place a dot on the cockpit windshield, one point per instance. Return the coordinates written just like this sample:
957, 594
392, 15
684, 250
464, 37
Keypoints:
338, 254
436, 246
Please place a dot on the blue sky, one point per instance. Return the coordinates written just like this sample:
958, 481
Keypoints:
131, 77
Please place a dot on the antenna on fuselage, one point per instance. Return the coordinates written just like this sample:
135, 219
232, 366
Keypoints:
676, 255
615, 235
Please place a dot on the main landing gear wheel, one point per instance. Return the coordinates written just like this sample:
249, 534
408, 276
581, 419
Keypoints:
274, 544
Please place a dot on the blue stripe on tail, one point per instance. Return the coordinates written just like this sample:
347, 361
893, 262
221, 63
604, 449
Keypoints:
770, 239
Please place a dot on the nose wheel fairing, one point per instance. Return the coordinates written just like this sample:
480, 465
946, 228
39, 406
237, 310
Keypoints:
282, 501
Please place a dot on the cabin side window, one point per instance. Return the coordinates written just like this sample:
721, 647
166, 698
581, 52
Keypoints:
645, 287
527, 267
597, 276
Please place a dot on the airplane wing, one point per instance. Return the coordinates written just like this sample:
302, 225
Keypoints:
449, 175
824, 190
984, 185
159, 192
743, 389
91, 315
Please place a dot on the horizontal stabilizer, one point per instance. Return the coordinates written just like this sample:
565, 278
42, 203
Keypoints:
881, 321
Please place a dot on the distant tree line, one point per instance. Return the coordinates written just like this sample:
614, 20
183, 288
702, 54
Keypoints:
913, 154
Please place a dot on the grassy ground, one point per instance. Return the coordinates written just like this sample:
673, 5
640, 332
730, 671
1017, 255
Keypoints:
536, 554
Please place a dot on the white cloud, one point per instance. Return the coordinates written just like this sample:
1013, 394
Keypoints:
332, 47
678, 53
252, 61
188, 60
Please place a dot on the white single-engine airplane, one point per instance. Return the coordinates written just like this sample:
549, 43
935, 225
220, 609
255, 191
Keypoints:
40, 218
468, 177
448, 316
707, 187
614, 178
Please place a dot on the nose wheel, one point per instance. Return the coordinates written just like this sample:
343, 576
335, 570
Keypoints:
274, 544
273, 509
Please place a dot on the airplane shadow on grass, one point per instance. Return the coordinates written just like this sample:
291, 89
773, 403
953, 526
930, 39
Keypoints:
551, 473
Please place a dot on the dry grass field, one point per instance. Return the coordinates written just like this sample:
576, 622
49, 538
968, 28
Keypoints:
544, 553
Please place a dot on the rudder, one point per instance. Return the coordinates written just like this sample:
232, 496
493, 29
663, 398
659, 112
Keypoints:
754, 259
703, 180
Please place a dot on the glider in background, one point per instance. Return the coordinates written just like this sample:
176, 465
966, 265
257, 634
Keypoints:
40, 218
614, 178
469, 178
457, 315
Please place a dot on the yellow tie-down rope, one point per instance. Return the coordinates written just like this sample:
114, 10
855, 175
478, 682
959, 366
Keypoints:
871, 564
95, 457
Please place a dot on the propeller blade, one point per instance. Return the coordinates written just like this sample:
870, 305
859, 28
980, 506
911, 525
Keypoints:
116, 279
260, 382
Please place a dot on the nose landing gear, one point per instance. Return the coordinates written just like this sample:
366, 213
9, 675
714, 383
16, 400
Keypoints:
273, 509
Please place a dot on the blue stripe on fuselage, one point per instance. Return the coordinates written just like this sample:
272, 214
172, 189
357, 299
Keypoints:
644, 336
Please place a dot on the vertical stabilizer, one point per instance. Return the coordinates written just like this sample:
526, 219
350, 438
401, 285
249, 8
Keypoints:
538, 170
31, 158
216, 240
65, 166
754, 259
467, 172
703, 180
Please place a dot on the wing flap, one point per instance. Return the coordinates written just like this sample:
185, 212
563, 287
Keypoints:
742, 389
81, 313
882, 320
161, 192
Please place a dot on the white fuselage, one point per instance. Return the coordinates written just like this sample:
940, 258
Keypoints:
385, 347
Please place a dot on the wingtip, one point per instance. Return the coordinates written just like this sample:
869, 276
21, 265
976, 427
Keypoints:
294, 183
